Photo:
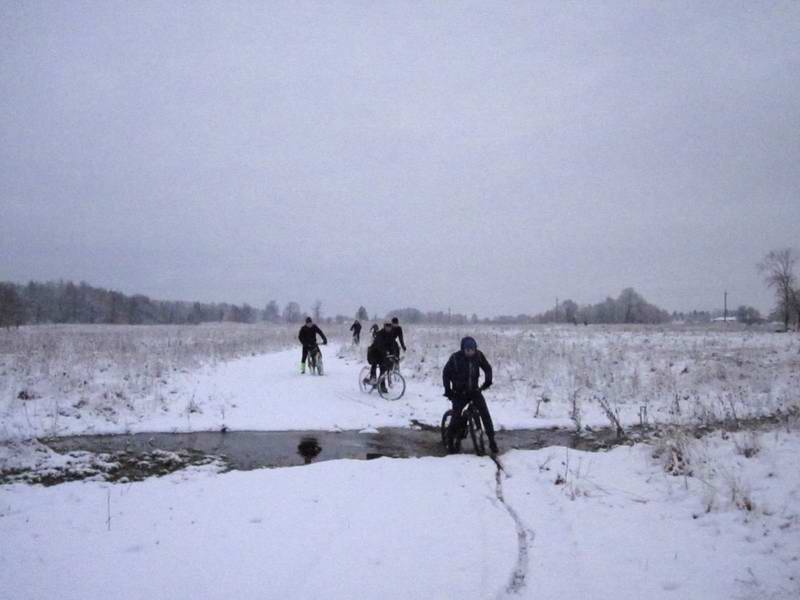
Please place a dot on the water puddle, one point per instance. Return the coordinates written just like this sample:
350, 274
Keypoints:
133, 457
245, 450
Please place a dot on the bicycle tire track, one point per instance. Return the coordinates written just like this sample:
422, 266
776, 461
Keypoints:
525, 537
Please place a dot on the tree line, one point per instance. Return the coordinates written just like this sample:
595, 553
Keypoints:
628, 307
68, 302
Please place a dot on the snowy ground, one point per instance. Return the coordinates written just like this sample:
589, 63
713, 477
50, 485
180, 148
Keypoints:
714, 518
555, 524
61, 380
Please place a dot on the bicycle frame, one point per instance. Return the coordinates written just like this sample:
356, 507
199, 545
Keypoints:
313, 358
390, 375
471, 424
470, 412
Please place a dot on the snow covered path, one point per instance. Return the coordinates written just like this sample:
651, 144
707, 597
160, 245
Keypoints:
267, 392
264, 392
614, 527
261, 392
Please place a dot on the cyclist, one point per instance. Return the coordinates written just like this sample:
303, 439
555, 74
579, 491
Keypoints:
397, 335
308, 338
380, 349
356, 329
460, 377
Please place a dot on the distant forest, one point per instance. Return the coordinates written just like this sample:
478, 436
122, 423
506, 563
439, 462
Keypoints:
629, 307
67, 302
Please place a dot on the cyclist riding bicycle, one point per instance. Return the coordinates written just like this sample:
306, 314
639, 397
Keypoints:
308, 338
397, 335
356, 329
460, 377
379, 351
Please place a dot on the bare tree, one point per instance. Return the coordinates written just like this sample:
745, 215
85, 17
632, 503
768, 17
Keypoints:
272, 313
777, 268
291, 313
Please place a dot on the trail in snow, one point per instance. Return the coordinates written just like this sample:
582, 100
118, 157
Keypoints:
525, 537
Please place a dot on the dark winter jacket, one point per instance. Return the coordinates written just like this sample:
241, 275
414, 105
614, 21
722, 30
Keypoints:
460, 374
308, 335
355, 327
397, 334
383, 343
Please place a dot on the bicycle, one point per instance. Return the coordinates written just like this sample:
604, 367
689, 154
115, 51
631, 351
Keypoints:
391, 384
314, 360
470, 424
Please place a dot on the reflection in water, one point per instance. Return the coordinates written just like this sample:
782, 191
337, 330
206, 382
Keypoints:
308, 448
244, 450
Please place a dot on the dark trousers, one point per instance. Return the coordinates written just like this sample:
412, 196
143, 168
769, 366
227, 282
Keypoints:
306, 351
375, 360
459, 402
357, 336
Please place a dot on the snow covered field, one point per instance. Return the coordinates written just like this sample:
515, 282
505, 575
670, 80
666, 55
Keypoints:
554, 524
710, 518
79, 379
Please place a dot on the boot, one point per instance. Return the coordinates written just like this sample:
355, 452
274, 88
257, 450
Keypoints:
302, 368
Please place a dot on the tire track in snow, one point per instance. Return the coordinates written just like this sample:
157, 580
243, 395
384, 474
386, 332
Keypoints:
525, 537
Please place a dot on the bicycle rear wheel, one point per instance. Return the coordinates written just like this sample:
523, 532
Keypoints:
391, 386
476, 433
363, 380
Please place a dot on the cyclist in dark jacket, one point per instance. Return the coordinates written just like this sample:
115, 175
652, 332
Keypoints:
397, 334
356, 329
308, 338
382, 346
461, 385
374, 330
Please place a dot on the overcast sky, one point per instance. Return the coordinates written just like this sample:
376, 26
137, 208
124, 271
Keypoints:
482, 156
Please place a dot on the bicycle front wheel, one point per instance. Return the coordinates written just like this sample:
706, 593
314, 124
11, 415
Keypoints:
446, 418
319, 364
391, 386
476, 433
363, 380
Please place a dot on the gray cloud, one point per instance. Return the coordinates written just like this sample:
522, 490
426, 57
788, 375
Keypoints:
471, 155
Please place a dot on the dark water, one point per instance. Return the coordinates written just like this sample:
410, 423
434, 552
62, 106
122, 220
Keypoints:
134, 457
244, 450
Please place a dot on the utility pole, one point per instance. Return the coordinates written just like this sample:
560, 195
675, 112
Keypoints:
726, 307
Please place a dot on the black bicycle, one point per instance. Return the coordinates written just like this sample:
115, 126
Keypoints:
314, 360
470, 425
